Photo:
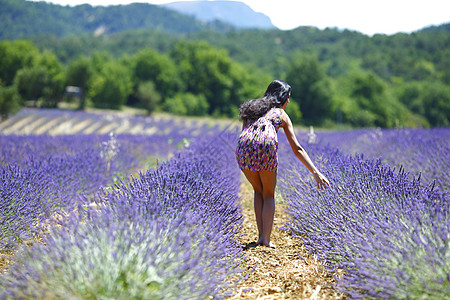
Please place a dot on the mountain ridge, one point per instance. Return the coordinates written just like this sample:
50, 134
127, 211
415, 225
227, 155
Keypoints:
235, 13
27, 19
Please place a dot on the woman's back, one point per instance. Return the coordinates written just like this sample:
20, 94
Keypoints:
273, 117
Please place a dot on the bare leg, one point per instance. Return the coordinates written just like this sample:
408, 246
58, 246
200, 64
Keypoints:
258, 205
269, 181
263, 183
255, 181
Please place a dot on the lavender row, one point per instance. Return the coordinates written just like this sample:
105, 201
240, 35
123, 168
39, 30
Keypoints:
129, 149
43, 174
169, 233
418, 151
385, 227
56, 122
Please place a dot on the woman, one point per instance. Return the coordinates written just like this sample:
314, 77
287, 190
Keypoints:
256, 152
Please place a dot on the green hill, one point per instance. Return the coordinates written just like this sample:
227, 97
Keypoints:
21, 18
236, 13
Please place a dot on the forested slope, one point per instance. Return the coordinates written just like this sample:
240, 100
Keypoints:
23, 19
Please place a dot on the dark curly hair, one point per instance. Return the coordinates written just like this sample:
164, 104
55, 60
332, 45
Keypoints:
276, 95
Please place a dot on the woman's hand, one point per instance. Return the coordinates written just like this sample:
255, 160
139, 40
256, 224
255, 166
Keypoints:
322, 181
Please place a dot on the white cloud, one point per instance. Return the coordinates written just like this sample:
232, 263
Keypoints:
382, 16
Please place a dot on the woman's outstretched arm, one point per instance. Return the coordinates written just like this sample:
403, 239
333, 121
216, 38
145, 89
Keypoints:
301, 154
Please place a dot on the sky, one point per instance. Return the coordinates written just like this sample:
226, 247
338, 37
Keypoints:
367, 16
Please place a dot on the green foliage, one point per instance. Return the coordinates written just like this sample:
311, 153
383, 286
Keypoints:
42, 81
79, 73
364, 100
436, 103
431, 100
10, 101
111, 86
371, 102
148, 97
98, 60
13, 57
37, 76
310, 86
187, 104
54, 89
293, 110
31, 82
158, 68
211, 72
49, 60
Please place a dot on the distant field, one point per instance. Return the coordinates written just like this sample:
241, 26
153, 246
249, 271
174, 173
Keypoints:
171, 231
57, 122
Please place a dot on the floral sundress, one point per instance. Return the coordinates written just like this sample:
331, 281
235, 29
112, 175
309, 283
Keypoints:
258, 143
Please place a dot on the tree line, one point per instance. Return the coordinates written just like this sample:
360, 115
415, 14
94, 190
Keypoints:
194, 79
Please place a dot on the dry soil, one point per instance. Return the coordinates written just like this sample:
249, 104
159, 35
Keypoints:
286, 272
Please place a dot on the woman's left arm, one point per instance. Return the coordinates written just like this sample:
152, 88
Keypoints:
301, 154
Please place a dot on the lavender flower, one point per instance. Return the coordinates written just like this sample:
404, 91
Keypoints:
168, 234
41, 175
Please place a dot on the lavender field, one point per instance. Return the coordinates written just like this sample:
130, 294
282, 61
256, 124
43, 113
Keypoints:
152, 211
385, 220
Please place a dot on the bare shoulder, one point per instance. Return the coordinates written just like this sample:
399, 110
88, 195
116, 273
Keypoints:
284, 118
280, 112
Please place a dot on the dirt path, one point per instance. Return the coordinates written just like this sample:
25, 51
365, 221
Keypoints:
286, 272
